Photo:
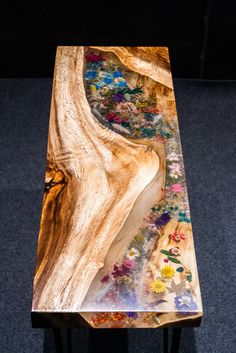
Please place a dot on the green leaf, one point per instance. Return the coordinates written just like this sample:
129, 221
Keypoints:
173, 259
189, 277
165, 252
180, 269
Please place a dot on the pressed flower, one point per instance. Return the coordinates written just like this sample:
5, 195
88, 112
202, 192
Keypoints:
93, 88
117, 73
140, 104
132, 315
172, 156
107, 80
183, 218
158, 286
152, 110
162, 220
175, 170
117, 271
153, 229
139, 238
160, 139
185, 302
130, 264
122, 84
112, 296
105, 279
112, 117
177, 187
167, 271
92, 57
177, 237
90, 74
118, 316
118, 97
99, 85
132, 254
175, 251
125, 280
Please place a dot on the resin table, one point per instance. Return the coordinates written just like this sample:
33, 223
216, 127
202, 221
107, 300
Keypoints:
115, 247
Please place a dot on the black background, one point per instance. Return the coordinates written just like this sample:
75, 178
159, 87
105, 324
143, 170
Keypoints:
201, 34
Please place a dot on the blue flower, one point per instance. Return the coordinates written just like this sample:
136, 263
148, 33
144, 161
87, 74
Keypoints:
185, 303
90, 74
122, 84
99, 85
107, 80
117, 73
131, 299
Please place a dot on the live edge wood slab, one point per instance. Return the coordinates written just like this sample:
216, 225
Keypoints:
115, 246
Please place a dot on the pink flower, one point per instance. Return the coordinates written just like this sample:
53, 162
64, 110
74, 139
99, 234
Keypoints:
177, 188
130, 264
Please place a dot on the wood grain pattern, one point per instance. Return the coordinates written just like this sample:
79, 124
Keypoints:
101, 184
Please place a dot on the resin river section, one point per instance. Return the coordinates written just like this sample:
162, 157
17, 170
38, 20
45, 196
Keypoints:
115, 243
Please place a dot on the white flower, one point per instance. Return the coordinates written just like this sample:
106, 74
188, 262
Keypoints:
175, 251
185, 300
132, 254
175, 170
173, 157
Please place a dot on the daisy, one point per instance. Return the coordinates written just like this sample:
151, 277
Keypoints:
158, 286
132, 254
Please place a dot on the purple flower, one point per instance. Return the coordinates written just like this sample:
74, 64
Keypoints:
162, 220
185, 303
118, 97
132, 315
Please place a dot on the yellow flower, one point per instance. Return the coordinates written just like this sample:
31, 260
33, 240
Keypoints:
158, 286
139, 238
167, 271
93, 88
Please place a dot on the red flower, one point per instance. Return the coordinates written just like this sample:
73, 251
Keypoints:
177, 237
117, 271
152, 110
105, 279
160, 139
112, 117
92, 57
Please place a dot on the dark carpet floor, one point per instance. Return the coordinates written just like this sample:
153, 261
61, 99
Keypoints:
207, 115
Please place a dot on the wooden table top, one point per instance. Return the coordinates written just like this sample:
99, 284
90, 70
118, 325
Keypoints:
115, 246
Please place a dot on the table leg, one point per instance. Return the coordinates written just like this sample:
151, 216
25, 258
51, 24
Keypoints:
176, 340
57, 340
165, 340
68, 340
